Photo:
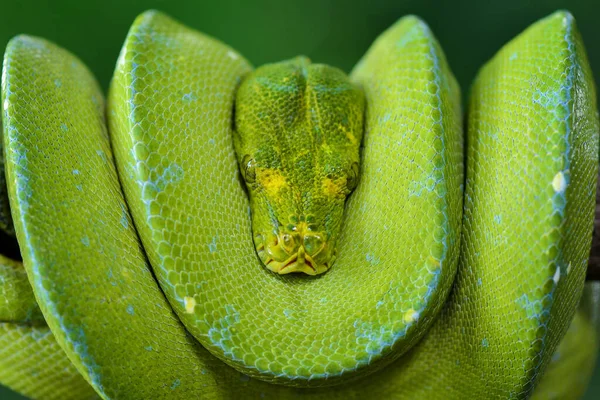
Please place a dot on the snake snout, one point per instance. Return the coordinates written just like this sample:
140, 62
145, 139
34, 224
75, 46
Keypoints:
295, 251
313, 243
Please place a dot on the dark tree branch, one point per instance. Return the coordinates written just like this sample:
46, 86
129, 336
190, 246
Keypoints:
593, 271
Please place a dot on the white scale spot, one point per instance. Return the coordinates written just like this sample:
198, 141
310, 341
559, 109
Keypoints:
190, 304
6, 104
411, 316
556, 275
559, 183
232, 55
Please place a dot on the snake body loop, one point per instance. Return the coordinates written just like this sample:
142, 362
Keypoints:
135, 227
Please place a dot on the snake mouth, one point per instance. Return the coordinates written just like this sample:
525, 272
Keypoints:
294, 264
294, 261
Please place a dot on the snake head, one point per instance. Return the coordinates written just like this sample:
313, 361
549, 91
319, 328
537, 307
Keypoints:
298, 128
296, 249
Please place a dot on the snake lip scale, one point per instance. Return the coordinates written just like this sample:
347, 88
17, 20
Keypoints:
450, 247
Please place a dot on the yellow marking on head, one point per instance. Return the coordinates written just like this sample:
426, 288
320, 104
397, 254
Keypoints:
334, 187
326, 148
302, 153
348, 133
271, 180
190, 304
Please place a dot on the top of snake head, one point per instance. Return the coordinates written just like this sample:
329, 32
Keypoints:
298, 129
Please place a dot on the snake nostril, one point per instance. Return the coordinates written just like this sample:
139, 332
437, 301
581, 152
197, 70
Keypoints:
313, 244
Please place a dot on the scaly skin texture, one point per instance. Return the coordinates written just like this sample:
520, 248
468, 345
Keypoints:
574, 359
192, 214
16, 297
531, 158
298, 129
31, 361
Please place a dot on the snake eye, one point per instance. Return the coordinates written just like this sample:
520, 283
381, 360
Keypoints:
352, 178
249, 169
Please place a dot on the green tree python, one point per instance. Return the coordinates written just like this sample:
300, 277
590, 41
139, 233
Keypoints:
159, 228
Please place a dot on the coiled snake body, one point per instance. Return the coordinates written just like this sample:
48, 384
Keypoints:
105, 205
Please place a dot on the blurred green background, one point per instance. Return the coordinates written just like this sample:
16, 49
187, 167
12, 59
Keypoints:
335, 32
